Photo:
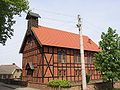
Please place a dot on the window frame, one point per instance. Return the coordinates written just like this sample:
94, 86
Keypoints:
89, 59
62, 57
77, 58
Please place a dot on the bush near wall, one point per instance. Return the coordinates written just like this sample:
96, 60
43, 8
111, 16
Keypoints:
59, 83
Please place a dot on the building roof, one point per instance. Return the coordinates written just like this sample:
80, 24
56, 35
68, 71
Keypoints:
54, 37
8, 69
31, 14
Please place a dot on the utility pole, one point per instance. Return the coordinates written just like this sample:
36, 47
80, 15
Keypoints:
79, 25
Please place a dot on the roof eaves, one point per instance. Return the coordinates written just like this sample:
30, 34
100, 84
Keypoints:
73, 48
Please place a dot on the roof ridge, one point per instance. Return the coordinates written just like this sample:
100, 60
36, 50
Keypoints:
11, 65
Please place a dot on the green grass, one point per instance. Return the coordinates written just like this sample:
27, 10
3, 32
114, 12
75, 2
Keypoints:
116, 89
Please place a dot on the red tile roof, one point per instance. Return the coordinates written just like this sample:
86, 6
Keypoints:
58, 38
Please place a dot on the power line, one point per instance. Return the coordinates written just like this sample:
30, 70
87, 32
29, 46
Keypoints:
68, 27
53, 12
70, 22
94, 25
62, 14
66, 15
62, 26
59, 20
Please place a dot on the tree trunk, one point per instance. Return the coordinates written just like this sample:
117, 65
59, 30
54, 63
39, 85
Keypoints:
112, 84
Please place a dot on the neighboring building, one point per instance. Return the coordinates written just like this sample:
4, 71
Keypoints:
50, 54
10, 72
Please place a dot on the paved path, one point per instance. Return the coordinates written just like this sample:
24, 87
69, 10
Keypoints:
2, 87
14, 87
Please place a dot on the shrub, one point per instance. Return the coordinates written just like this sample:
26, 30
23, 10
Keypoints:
53, 83
59, 83
64, 84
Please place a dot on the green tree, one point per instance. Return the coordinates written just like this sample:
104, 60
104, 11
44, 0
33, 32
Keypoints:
9, 8
107, 61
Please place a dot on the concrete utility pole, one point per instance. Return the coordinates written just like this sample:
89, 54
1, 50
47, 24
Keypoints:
79, 25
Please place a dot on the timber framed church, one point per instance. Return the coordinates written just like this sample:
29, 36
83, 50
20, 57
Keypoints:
50, 54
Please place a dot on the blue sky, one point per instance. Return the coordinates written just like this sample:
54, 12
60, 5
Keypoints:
97, 16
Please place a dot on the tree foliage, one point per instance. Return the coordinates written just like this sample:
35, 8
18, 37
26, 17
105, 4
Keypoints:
9, 8
107, 61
